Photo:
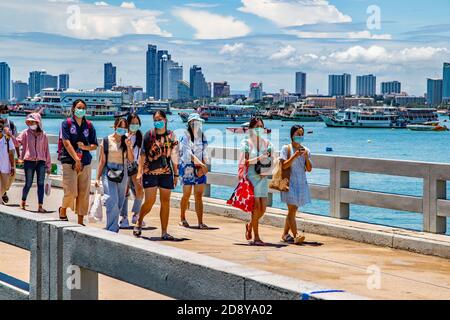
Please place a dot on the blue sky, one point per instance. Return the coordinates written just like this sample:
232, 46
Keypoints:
240, 41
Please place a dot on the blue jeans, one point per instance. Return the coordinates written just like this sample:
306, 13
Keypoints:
31, 167
136, 204
114, 197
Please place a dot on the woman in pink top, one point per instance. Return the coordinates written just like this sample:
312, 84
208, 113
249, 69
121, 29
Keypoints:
36, 157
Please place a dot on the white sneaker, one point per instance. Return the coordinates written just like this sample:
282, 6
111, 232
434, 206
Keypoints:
124, 223
135, 218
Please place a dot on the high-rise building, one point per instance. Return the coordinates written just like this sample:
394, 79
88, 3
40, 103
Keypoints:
300, 83
63, 81
5, 82
19, 91
162, 74
175, 75
256, 91
221, 89
339, 85
446, 83
198, 85
183, 91
48, 81
434, 92
109, 76
391, 87
152, 70
366, 86
34, 82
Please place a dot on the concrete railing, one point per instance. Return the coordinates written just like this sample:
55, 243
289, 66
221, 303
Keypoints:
433, 203
66, 260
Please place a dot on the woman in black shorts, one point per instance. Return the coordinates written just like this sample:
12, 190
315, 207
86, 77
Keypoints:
158, 169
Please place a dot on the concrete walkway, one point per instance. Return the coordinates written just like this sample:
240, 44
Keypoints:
329, 262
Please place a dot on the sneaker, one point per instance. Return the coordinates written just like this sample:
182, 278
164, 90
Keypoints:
135, 219
5, 198
124, 223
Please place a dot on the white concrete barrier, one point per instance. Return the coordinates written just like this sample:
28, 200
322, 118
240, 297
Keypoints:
66, 260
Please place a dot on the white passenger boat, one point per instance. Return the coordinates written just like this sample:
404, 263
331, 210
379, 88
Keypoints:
366, 117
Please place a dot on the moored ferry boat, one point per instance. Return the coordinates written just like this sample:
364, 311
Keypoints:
223, 113
101, 105
366, 117
308, 114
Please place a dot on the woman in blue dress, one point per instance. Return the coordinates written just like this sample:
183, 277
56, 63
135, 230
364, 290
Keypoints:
193, 168
257, 159
297, 158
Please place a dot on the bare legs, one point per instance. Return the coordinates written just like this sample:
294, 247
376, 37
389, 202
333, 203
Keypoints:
257, 214
150, 199
198, 195
291, 223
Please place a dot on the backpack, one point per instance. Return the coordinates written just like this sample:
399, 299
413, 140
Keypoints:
60, 140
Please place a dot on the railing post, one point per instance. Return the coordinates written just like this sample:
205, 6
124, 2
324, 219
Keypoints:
270, 200
338, 179
207, 192
433, 189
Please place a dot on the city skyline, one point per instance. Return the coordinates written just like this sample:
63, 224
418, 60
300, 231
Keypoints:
268, 52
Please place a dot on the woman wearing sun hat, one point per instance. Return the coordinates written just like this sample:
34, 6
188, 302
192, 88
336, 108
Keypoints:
193, 167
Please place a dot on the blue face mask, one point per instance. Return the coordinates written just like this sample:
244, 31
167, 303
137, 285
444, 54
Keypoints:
121, 131
299, 139
160, 124
134, 127
80, 113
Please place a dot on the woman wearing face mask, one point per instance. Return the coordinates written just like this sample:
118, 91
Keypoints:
79, 139
115, 152
193, 168
36, 158
295, 157
135, 134
158, 170
257, 160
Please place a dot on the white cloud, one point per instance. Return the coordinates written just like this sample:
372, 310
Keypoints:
283, 53
212, 26
232, 49
78, 19
288, 13
202, 5
378, 54
128, 5
339, 35
111, 51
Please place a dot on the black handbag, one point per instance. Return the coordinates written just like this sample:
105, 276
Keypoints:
113, 175
259, 165
132, 168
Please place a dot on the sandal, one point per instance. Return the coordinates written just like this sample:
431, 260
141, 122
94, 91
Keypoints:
42, 210
258, 243
184, 223
288, 239
23, 205
62, 218
137, 231
203, 226
167, 237
299, 240
248, 231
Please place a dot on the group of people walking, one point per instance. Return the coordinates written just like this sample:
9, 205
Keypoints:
144, 165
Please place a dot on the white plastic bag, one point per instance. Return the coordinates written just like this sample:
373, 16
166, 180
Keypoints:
96, 211
48, 186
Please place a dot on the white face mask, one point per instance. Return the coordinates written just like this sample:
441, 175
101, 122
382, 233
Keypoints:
33, 127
